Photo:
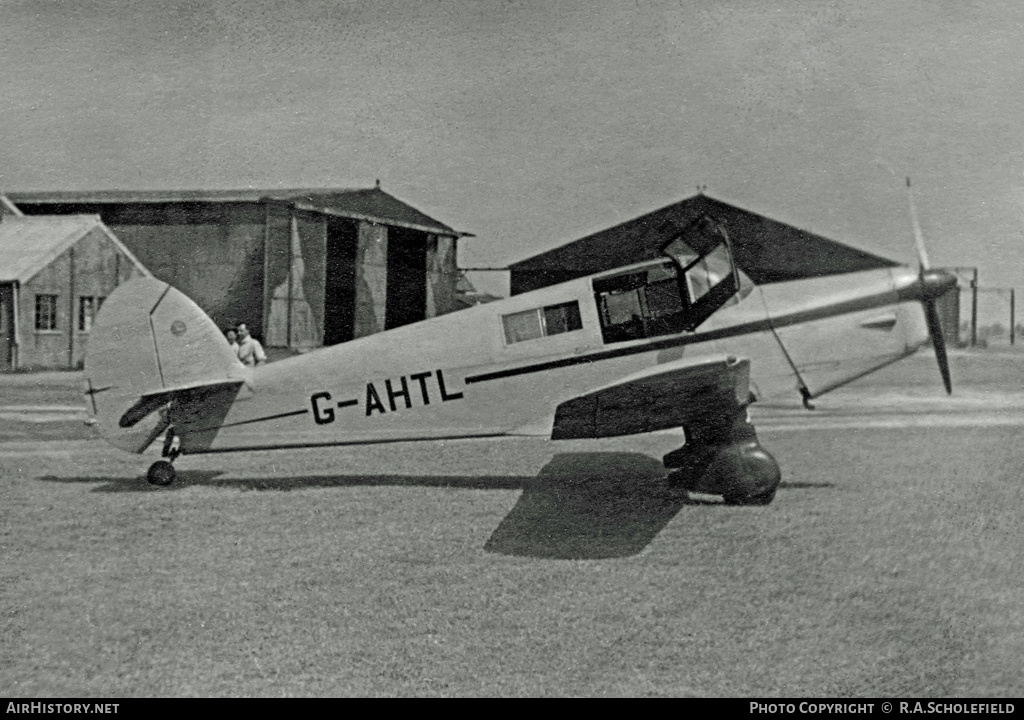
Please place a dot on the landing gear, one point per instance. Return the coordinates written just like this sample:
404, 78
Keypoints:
162, 471
806, 395
722, 456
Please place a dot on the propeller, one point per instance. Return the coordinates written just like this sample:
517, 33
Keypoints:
933, 285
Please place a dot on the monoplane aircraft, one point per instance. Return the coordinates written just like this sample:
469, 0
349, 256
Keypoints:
686, 340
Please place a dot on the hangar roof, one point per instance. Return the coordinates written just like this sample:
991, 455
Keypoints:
29, 244
371, 204
766, 250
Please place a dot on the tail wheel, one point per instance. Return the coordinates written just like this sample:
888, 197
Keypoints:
161, 473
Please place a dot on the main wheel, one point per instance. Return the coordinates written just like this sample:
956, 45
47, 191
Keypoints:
759, 478
161, 473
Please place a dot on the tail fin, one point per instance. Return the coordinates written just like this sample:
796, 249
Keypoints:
148, 342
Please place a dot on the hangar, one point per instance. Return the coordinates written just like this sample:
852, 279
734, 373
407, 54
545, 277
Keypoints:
55, 272
766, 250
306, 267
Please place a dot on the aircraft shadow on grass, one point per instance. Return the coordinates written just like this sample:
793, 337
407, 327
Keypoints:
579, 506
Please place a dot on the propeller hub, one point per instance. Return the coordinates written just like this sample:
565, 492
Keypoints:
936, 283
930, 285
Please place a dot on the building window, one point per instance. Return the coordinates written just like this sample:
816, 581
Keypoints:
46, 312
539, 322
88, 306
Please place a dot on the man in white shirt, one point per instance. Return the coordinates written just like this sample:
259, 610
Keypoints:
250, 352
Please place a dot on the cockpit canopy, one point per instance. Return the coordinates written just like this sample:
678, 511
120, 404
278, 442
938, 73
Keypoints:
673, 296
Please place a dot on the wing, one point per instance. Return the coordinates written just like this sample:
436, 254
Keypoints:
670, 395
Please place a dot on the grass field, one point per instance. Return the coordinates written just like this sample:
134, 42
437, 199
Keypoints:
888, 565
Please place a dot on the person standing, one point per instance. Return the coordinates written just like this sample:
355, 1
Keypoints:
232, 338
250, 352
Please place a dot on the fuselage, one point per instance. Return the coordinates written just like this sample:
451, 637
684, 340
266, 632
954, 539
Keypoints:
504, 367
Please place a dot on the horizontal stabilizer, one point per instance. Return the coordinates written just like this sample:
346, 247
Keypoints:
666, 396
152, 401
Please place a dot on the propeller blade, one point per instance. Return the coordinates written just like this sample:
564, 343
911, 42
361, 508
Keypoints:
931, 314
922, 253
932, 286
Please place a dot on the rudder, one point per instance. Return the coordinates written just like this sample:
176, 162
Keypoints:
147, 338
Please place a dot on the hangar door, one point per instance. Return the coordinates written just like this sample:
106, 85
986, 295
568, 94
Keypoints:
407, 277
340, 281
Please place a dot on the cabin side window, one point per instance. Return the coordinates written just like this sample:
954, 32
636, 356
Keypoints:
540, 322
640, 304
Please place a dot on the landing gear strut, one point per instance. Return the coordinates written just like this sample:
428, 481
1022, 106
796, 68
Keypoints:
723, 456
162, 471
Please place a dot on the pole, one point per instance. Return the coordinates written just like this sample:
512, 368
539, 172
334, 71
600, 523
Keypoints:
267, 297
293, 234
15, 301
1012, 318
71, 308
974, 308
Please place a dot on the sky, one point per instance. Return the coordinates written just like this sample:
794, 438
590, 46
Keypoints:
534, 123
